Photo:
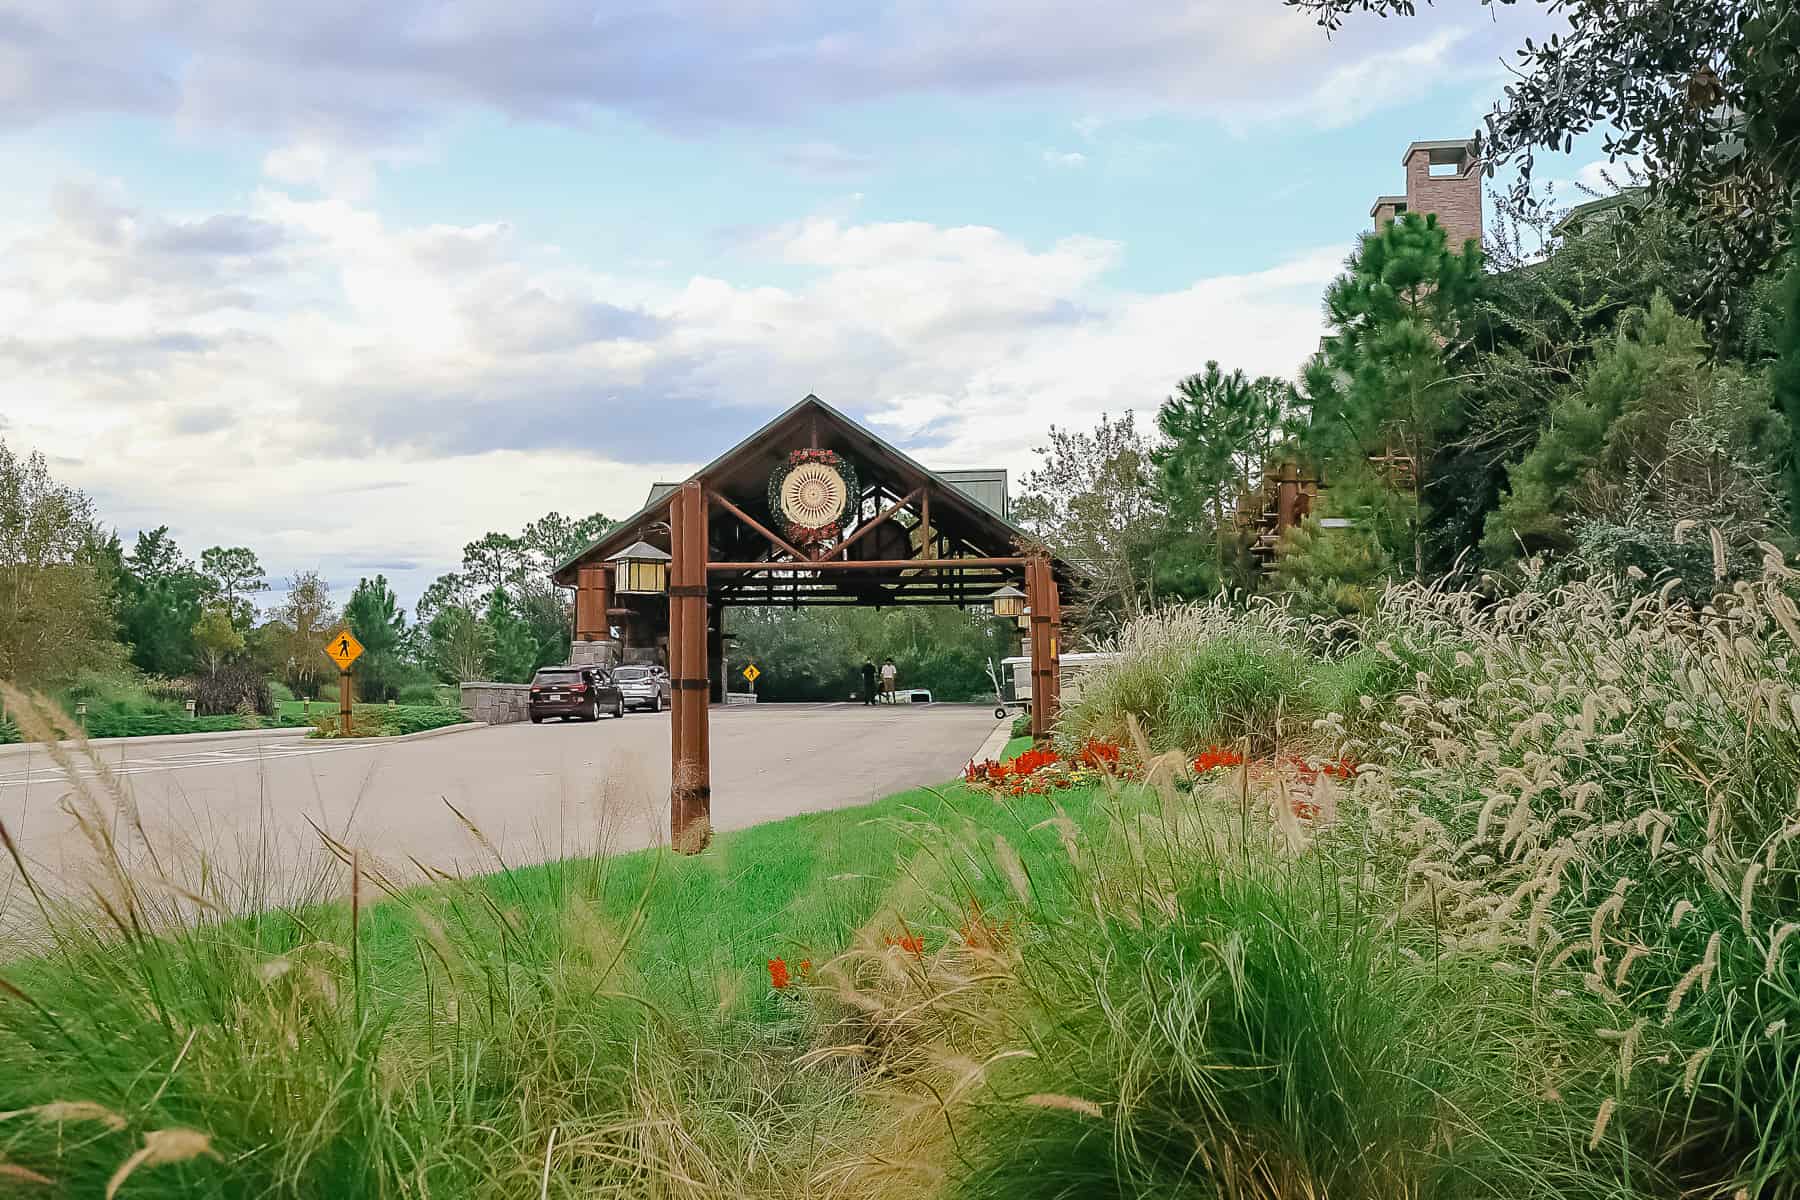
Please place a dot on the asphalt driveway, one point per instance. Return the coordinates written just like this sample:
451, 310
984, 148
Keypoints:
534, 792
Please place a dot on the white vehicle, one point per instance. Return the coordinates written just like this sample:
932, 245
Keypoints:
1072, 668
645, 687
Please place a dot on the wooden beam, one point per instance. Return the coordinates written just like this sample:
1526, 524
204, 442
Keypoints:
752, 522
843, 547
872, 564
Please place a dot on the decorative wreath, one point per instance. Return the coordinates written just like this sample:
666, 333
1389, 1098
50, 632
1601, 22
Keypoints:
812, 494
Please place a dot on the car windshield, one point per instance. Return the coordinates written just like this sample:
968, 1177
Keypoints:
629, 673
560, 678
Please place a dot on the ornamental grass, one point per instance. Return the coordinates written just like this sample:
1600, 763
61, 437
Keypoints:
1470, 899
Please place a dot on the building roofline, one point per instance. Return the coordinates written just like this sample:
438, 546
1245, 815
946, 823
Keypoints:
1466, 145
975, 509
1382, 200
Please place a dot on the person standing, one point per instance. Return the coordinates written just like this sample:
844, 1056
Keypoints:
889, 675
868, 677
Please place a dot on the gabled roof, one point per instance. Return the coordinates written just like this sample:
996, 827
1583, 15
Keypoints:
742, 473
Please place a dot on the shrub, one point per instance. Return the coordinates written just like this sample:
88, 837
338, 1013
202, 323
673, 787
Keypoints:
233, 688
423, 694
1195, 675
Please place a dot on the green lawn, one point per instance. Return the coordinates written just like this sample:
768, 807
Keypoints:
791, 889
436, 1035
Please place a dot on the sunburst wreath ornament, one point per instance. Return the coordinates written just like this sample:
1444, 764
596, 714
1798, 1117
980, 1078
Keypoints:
811, 495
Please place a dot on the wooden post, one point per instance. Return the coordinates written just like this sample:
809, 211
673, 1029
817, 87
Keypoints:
1040, 594
1287, 497
690, 793
344, 702
1054, 709
592, 599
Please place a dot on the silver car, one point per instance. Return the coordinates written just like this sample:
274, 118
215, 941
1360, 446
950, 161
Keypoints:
644, 687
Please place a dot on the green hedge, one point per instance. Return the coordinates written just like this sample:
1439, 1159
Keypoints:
381, 720
110, 725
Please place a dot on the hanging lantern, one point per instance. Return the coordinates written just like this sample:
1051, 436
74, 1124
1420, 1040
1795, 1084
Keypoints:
1024, 619
641, 570
1008, 601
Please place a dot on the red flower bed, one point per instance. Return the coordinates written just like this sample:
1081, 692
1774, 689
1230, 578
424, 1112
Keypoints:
1102, 756
1213, 758
1031, 772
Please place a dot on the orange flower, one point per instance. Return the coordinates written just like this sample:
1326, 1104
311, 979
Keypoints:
778, 974
1099, 755
1212, 758
806, 968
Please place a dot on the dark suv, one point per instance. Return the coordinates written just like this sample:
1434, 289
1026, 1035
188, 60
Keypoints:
579, 692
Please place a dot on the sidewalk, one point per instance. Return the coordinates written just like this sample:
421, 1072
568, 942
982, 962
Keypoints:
995, 743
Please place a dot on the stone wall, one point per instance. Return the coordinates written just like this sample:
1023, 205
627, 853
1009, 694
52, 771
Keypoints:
593, 654
496, 703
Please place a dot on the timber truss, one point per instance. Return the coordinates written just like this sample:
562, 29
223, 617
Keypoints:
908, 537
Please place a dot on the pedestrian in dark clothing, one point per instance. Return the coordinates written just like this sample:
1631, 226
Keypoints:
868, 674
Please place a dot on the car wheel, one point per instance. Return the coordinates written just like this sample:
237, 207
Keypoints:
536, 719
656, 703
619, 709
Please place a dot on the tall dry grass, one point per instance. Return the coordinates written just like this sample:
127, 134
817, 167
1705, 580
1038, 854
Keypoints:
1543, 943
1590, 793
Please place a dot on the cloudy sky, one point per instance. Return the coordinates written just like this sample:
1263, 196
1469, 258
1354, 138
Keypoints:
352, 284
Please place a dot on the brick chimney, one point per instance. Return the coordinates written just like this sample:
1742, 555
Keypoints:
1442, 177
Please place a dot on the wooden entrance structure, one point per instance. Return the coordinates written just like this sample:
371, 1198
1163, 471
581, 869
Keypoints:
908, 537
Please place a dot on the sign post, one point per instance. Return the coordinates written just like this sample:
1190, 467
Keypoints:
343, 649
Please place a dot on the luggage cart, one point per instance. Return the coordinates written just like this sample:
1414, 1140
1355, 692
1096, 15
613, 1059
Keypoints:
1003, 706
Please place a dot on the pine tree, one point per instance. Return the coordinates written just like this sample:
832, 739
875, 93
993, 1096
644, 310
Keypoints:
1382, 383
1785, 376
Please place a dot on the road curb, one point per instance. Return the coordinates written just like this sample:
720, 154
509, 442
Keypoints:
996, 742
160, 739
440, 731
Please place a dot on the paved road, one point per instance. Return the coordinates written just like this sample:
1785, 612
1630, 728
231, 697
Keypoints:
536, 792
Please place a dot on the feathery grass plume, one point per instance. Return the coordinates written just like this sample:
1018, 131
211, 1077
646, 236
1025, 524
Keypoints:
62, 1112
1683, 907
1691, 1073
1605, 912
1074, 1104
1631, 955
1014, 868
1745, 893
1601, 1120
161, 1147
1773, 956
1700, 973
1628, 1050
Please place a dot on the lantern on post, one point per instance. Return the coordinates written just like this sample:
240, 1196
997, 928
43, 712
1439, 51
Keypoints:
1008, 601
641, 570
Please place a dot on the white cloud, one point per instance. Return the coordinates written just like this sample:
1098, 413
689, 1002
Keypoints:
309, 380
342, 72
1065, 159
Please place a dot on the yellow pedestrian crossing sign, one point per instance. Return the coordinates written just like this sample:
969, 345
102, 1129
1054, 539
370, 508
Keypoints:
344, 649
751, 673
